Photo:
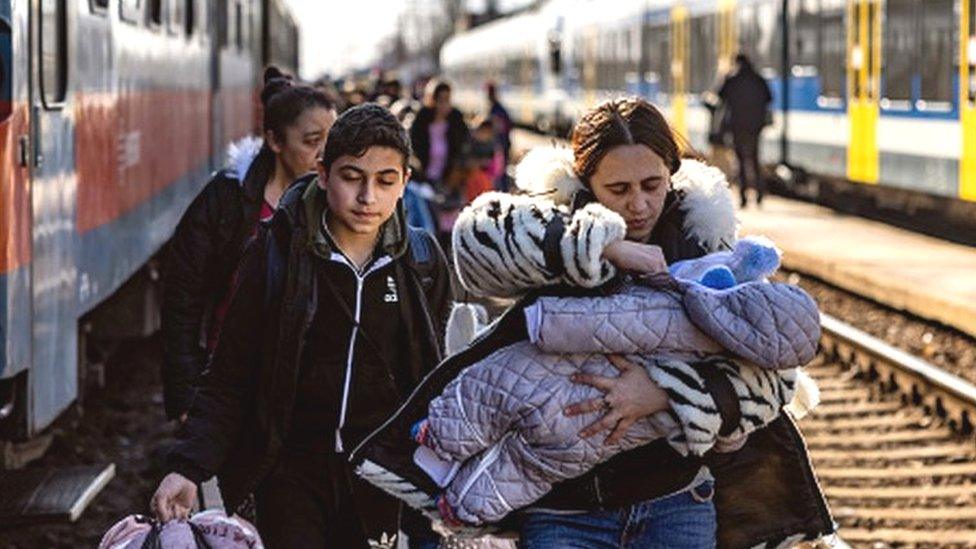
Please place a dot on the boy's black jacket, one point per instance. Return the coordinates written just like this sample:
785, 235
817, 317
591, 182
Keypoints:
241, 414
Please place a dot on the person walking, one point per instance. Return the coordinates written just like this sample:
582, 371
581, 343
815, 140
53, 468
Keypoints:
747, 97
209, 240
337, 316
629, 204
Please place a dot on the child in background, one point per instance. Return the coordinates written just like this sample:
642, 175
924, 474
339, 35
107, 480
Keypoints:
486, 160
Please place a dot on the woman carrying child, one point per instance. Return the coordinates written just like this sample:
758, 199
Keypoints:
627, 165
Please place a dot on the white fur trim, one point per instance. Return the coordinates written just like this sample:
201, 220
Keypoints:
548, 169
709, 213
240, 155
806, 396
464, 324
591, 229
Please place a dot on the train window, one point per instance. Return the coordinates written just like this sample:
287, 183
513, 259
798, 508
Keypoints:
970, 45
833, 49
239, 25
190, 8
155, 12
900, 49
6, 72
54, 51
175, 18
130, 11
748, 31
937, 54
805, 36
223, 24
769, 53
703, 61
658, 54
99, 6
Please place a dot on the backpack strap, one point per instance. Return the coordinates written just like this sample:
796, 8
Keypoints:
422, 255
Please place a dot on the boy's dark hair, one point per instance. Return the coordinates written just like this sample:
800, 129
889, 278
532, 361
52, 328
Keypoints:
364, 126
284, 100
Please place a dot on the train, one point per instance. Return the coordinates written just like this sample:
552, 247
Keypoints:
113, 115
874, 108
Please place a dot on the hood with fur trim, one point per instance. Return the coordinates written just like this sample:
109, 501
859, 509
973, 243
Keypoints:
705, 196
240, 156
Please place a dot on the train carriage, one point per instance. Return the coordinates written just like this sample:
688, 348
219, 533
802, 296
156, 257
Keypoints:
873, 98
114, 113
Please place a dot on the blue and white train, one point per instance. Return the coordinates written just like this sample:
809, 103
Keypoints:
874, 98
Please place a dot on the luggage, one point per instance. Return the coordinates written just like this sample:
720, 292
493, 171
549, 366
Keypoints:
210, 529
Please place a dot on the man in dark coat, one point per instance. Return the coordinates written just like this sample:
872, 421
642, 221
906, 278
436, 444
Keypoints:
746, 96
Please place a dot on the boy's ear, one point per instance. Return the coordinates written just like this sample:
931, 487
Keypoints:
407, 175
323, 177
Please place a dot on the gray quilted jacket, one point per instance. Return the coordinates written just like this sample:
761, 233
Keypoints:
502, 418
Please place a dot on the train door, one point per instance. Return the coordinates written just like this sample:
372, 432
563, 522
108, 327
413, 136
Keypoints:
967, 99
863, 86
679, 69
54, 375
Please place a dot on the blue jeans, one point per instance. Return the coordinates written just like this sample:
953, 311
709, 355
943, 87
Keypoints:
682, 520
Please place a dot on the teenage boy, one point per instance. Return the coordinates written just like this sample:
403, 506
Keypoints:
338, 313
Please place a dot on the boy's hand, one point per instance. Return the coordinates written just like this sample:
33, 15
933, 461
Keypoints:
174, 498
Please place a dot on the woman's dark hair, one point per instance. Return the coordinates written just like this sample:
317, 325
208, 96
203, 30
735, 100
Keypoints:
623, 121
364, 126
433, 88
284, 100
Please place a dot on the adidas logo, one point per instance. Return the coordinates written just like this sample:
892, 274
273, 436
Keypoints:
391, 291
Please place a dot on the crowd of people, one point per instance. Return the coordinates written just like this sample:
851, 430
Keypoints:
308, 299
455, 157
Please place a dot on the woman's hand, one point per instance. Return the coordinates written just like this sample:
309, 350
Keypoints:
628, 398
174, 498
635, 257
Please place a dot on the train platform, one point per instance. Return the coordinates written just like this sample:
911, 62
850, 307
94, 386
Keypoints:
925, 276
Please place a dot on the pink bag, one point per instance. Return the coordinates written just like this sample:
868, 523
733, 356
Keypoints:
210, 529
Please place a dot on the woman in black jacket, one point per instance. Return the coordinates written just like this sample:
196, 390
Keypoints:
627, 202
209, 240
438, 133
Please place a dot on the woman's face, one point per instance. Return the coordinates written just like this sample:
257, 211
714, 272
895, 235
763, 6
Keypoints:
304, 139
442, 103
632, 180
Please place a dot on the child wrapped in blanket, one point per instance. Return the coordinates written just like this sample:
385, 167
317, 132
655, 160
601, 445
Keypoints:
498, 431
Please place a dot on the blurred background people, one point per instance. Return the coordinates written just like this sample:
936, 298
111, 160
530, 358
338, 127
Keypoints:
746, 96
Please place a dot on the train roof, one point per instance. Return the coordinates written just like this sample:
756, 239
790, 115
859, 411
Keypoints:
519, 33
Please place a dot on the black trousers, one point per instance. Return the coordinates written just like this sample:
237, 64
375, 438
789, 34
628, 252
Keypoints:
747, 154
316, 500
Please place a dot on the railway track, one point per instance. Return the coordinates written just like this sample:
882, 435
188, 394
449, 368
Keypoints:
892, 443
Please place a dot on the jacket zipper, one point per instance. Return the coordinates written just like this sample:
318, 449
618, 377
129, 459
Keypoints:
360, 278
